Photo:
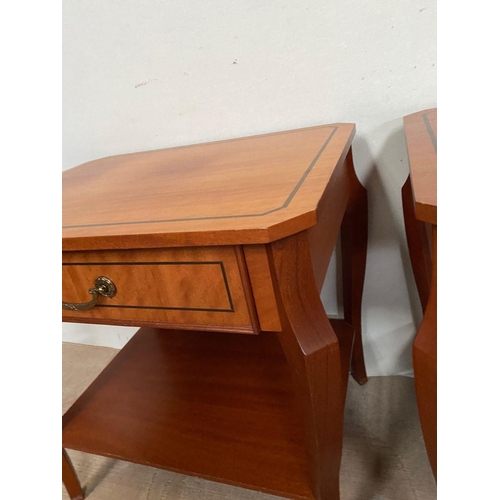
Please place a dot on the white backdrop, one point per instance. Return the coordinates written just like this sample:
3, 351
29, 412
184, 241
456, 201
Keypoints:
146, 74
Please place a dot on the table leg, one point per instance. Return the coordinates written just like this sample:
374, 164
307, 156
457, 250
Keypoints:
354, 243
425, 367
418, 245
314, 354
70, 478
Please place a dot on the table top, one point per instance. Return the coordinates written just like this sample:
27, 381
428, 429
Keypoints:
251, 190
421, 141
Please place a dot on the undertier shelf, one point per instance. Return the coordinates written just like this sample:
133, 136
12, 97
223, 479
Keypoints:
214, 405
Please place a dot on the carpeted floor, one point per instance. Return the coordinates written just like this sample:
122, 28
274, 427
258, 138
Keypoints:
384, 455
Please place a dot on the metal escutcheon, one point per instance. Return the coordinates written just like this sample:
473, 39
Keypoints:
102, 286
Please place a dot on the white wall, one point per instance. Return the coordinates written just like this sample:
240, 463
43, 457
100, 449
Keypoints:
140, 75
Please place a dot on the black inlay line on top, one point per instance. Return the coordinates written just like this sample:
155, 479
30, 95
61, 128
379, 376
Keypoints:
218, 217
220, 263
430, 132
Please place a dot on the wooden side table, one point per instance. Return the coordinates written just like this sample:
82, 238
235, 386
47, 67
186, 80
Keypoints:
205, 247
420, 212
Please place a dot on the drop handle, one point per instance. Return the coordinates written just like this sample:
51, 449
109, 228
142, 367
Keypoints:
102, 286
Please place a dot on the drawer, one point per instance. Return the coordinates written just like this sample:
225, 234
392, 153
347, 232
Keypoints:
192, 288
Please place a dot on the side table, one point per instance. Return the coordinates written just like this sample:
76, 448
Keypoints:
419, 195
218, 252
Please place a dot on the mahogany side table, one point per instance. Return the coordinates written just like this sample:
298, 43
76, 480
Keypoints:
218, 252
419, 195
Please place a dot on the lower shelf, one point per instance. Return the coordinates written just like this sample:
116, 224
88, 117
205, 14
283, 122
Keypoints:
214, 405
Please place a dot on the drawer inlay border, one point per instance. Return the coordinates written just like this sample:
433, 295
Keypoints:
200, 309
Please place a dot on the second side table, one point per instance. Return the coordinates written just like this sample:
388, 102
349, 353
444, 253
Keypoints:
420, 212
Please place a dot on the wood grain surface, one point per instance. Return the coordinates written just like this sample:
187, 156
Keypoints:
345, 205
354, 243
70, 479
381, 429
257, 219
257, 262
242, 191
418, 245
419, 195
421, 141
425, 367
217, 406
188, 287
314, 354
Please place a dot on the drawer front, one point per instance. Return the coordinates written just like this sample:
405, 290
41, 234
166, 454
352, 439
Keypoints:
195, 288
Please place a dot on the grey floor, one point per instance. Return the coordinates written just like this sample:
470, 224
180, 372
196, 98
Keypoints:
384, 455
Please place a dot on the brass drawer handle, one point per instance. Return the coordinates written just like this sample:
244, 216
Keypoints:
103, 286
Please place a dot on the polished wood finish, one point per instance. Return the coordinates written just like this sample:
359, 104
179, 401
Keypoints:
421, 141
190, 287
331, 209
345, 336
418, 245
314, 355
344, 206
219, 407
243, 191
354, 239
70, 478
240, 242
425, 367
260, 277
247, 289
420, 212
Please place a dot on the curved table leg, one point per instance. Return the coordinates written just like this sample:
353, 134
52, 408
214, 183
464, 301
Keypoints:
70, 478
425, 367
418, 245
354, 246
314, 355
